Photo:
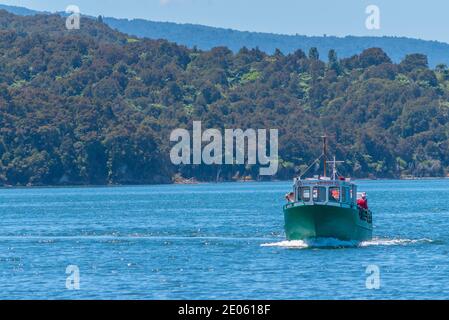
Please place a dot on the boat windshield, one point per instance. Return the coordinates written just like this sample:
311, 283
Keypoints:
319, 194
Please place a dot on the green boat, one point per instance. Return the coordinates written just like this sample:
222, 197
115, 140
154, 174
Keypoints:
326, 207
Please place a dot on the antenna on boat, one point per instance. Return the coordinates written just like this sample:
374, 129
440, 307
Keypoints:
334, 168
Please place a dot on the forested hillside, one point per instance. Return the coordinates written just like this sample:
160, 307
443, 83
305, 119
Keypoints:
94, 106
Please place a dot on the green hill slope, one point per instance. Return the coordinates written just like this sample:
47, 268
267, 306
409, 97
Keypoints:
95, 106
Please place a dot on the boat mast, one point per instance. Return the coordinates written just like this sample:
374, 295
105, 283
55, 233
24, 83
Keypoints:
324, 154
334, 169
334, 163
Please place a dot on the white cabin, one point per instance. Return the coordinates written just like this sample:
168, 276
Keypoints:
325, 191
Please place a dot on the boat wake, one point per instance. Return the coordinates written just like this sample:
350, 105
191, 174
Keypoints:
393, 242
335, 243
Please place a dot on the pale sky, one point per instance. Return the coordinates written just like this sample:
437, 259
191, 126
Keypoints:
427, 20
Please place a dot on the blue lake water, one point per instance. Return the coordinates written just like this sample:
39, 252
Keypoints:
216, 241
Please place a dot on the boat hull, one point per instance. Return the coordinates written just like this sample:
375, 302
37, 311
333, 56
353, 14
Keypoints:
325, 221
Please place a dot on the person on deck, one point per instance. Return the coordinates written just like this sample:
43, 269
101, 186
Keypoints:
290, 197
335, 195
363, 202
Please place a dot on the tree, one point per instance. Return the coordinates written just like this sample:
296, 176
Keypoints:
414, 61
314, 54
441, 68
333, 63
373, 57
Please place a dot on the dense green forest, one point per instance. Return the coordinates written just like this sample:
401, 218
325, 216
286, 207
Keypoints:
95, 106
206, 38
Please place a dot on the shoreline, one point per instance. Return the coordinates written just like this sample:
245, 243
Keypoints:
198, 183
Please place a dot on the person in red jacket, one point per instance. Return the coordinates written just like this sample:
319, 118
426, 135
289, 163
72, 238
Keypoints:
363, 202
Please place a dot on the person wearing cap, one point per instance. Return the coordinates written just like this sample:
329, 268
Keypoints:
363, 201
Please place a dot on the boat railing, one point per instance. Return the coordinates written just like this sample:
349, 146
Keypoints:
366, 215
324, 203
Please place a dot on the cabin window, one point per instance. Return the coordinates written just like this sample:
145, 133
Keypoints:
305, 194
334, 194
319, 194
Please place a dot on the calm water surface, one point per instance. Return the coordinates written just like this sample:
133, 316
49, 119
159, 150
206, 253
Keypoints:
216, 241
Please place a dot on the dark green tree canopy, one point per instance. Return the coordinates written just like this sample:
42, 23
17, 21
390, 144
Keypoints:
96, 106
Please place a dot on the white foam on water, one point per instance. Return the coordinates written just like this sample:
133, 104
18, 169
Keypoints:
335, 243
287, 244
313, 243
392, 242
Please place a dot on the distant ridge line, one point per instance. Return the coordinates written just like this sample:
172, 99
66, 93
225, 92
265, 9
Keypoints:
207, 37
